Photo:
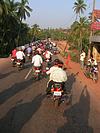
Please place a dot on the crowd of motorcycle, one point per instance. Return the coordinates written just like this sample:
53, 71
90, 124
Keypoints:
28, 51
40, 55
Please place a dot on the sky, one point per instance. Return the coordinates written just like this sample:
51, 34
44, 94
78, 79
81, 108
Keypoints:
56, 13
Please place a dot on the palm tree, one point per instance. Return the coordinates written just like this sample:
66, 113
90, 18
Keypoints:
81, 28
11, 25
24, 9
79, 7
79, 34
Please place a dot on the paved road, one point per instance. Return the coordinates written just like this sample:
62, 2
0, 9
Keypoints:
24, 107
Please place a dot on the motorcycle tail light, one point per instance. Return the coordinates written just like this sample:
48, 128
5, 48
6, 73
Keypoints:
36, 68
52, 90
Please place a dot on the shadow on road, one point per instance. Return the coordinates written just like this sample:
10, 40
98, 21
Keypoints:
70, 81
6, 74
19, 115
27, 65
77, 116
5, 95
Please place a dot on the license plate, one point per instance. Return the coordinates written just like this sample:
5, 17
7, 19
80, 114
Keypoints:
12, 59
57, 93
18, 63
37, 71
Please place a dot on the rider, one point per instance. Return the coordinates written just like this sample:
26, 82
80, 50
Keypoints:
48, 57
57, 75
20, 55
47, 54
55, 65
37, 60
29, 50
13, 53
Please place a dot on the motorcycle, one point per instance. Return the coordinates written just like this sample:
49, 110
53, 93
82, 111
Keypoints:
92, 73
19, 64
37, 73
13, 61
48, 63
57, 93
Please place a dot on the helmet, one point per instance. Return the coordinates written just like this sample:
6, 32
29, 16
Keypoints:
60, 64
56, 61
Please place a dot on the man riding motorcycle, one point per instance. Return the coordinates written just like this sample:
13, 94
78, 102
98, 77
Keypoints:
57, 75
29, 52
48, 58
20, 55
37, 60
47, 54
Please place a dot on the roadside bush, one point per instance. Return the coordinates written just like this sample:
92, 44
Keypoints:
74, 57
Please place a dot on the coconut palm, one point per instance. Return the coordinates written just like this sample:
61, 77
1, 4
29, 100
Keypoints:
24, 10
81, 28
79, 34
79, 7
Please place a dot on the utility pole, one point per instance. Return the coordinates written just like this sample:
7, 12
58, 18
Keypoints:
91, 33
93, 10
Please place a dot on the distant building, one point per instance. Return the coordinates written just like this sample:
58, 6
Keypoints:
95, 43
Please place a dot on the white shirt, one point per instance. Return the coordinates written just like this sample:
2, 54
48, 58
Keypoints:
82, 56
20, 55
47, 54
58, 75
53, 68
37, 60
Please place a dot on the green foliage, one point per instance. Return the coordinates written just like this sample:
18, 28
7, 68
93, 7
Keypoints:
54, 34
74, 56
79, 35
13, 31
79, 7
